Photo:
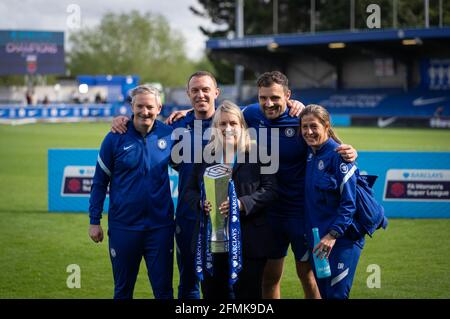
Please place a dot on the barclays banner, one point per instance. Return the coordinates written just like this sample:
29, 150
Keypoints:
409, 185
70, 176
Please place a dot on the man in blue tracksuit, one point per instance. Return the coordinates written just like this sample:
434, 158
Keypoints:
286, 217
202, 91
140, 215
186, 218
330, 203
288, 154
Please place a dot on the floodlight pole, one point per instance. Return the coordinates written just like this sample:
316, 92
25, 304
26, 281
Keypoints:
313, 16
275, 16
427, 13
352, 15
440, 14
394, 13
239, 18
238, 68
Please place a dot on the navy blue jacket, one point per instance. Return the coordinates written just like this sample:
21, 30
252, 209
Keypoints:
291, 157
330, 193
136, 170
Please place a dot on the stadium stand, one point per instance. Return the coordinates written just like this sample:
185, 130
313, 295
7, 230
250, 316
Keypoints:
364, 73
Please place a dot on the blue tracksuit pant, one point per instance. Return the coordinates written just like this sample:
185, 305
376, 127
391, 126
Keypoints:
126, 249
343, 262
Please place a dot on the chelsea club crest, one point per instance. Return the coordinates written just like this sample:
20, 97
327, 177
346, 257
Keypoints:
343, 167
320, 166
162, 144
289, 132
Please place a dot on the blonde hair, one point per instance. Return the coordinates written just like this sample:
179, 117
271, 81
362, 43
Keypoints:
215, 144
323, 116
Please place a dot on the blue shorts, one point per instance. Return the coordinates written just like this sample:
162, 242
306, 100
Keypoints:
126, 249
343, 262
285, 231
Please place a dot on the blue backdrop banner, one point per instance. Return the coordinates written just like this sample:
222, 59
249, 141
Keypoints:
70, 175
410, 184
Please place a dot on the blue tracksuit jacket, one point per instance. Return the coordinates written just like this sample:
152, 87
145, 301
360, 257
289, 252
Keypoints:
330, 192
135, 168
185, 167
291, 156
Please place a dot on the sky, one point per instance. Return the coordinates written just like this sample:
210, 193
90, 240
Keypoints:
53, 15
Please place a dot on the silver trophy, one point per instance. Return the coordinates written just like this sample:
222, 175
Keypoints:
216, 180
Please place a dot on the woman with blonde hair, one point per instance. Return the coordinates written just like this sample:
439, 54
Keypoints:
237, 271
232, 140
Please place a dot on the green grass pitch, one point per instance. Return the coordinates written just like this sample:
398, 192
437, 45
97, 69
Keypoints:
37, 246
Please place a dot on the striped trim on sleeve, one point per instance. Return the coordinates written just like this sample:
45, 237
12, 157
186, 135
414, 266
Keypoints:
103, 166
347, 177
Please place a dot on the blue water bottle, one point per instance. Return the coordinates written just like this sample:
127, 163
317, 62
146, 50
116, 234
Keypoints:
322, 265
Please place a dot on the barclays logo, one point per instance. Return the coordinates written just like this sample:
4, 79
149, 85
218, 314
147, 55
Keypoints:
426, 174
86, 172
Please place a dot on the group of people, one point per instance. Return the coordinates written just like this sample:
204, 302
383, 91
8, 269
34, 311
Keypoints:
307, 183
